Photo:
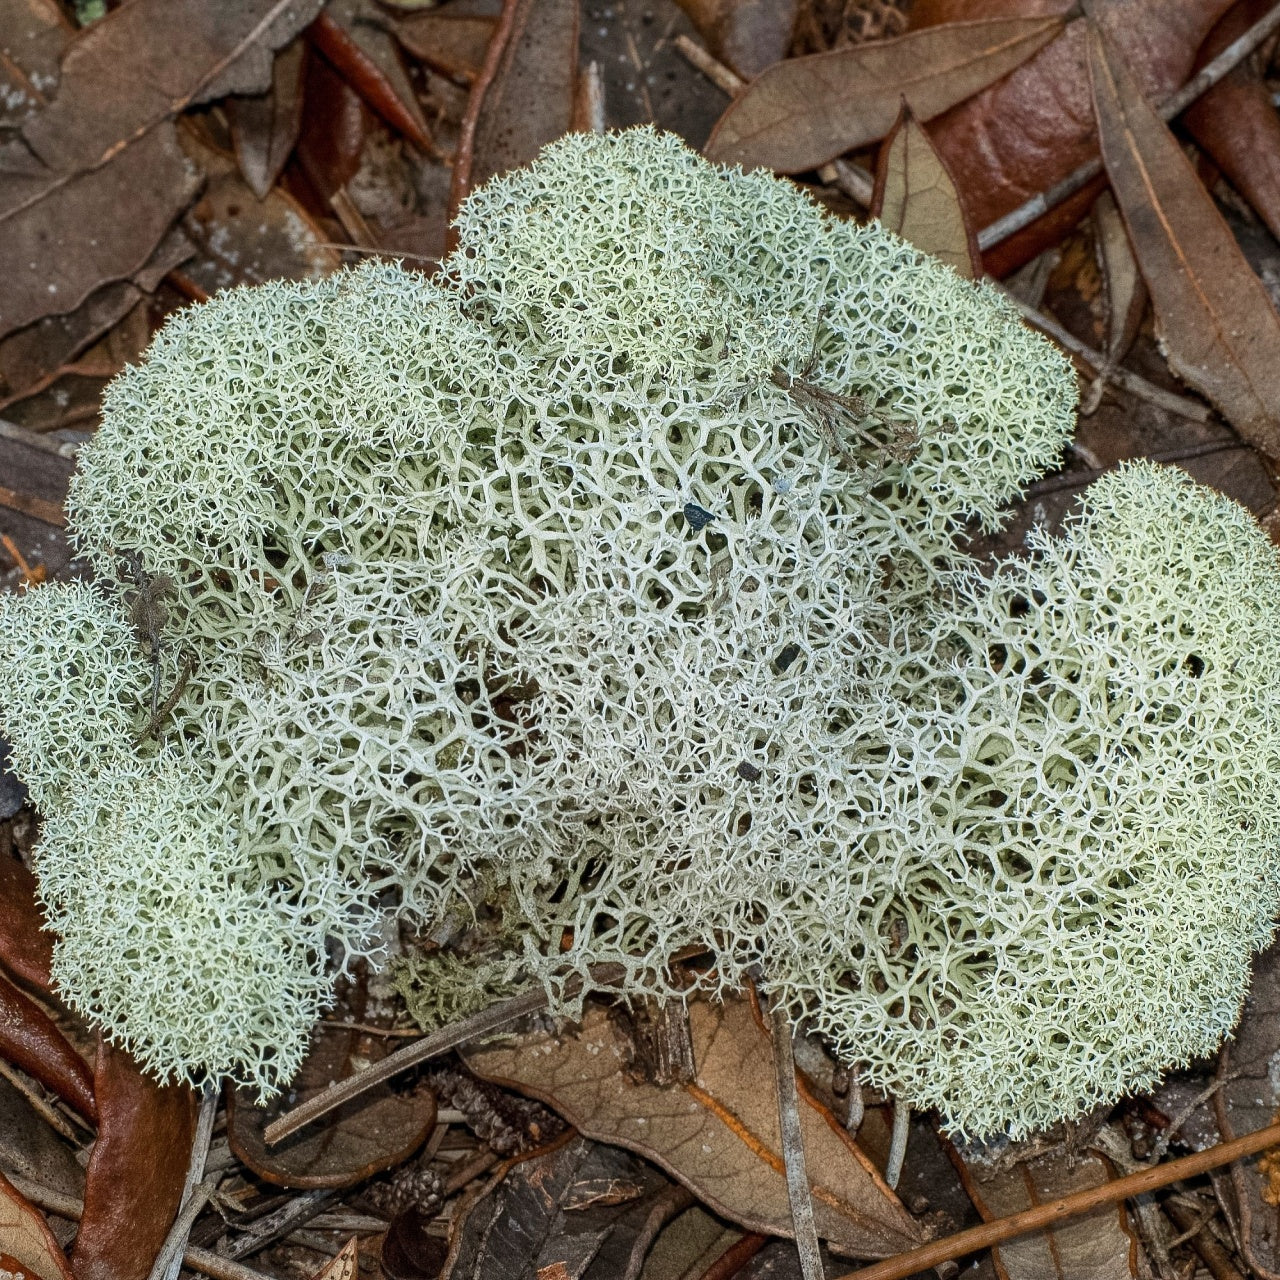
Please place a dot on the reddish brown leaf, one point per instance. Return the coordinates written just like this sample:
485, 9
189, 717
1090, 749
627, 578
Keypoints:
1028, 131
452, 39
1100, 1245
803, 112
264, 128
135, 1177
524, 96
1218, 328
719, 1135
748, 35
1236, 121
26, 948
916, 196
366, 58
372, 1132
30, 1039
27, 1246
103, 153
335, 123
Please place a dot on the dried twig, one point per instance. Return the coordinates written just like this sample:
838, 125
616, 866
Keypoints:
1172, 106
432, 1046
1078, 480
711, 67
898, 1143
1045, 1215
784, 1070
275, 1226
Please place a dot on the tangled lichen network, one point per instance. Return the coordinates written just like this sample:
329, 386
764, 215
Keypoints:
616, 582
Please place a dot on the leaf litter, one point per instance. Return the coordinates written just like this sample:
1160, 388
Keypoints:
171, 149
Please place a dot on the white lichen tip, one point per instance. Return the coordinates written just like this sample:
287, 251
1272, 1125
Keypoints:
617, 579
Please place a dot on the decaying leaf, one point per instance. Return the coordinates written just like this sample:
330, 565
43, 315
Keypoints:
1100, 1245
1126, 290
1218, 327
524, 96
98, 176
240, 239
29, 1147
374, 1131
1029, 130
27, 1246
916, 196
345, 1264
33, 36
719, 1135
265, 126
26, 948
136, 1173
583, 1211
803, 112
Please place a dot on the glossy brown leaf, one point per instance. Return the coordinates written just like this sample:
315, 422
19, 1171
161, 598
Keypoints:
136, 1173
718, 1135
452, 39
1028, 131
916, 196
524, 96
367, 59
748, 35
30, 1039
265, 127
335, 123
803, 112
1236, 121
374, 1131
103, 154
1218, 327
1100, 1245
27, 1246
26, 947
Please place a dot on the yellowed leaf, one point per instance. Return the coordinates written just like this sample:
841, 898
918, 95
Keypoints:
27, 1245
344, 1265
916, 196
719, 1134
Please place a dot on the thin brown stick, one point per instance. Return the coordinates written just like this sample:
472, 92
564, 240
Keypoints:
697, 57
490, 1019
1046, 1215
735, 1257
37, 508
798, 1192
1204, 79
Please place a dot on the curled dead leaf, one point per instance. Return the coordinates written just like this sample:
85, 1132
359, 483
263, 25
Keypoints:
719, 1135
27, 1246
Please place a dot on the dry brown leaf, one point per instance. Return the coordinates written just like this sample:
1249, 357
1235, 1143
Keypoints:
27, 1246
916, 196
718, 1135
374, 1131
30, 1039
30, 1148
803, 112
1126, 289
103, 155
524, 97
134, 1182
452, 39
1026, 132
264, 127
1096, 1246
345, 1264
240, 239
1218, 328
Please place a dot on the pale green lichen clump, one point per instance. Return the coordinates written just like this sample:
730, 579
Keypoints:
616, 582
